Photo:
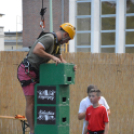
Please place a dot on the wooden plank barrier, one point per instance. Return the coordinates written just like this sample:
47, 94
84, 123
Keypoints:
112, 73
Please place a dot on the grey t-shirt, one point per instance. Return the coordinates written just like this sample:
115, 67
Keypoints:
47, 41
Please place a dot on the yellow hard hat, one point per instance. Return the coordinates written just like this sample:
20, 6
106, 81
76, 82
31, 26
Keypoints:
70, 29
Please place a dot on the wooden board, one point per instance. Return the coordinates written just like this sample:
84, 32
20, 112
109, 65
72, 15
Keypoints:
112, 73
11, 117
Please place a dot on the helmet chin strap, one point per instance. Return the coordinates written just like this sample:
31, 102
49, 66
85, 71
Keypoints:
63, 39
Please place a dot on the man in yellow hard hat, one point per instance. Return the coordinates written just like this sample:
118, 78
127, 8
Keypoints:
45, 48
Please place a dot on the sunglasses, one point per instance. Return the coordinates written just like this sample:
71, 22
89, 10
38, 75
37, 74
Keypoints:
94, 91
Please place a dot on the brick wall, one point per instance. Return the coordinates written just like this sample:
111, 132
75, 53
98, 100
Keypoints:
31, 18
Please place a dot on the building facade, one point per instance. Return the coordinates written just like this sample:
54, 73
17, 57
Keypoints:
102, 26
13, 40
1, 34
31, 18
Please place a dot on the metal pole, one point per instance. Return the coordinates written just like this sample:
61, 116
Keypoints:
62, 19
16, 34
51, 15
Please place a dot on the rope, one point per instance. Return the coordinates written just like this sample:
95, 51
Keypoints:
42, 13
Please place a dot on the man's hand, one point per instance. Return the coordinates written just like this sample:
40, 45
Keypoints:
108, 111
61, 58
56, 60
75, 67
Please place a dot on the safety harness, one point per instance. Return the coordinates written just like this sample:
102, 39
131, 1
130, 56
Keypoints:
56, 46
28, 67
25, 62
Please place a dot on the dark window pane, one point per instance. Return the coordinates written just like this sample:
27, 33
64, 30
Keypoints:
130, 6
108, 50
84, 39
129, 38
83, 24
109, 7
83, 49
107, 38
108, 23
130, 22
84, 8
129, 49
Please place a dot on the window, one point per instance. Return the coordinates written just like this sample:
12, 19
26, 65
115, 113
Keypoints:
129, 47
83, 26
108, 26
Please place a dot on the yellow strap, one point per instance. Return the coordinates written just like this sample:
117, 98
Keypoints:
56, 48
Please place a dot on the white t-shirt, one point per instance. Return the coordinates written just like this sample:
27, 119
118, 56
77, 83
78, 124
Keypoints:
85, 103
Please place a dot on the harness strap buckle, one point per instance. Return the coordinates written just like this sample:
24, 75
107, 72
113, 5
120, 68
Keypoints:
27, 64
32, 80
25, 82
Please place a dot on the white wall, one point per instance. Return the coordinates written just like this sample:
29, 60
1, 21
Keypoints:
95, 26
72, 14
120, 26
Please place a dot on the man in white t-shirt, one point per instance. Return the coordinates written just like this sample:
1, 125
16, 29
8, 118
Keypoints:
85, 103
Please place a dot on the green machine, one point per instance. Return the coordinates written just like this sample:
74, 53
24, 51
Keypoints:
51, 110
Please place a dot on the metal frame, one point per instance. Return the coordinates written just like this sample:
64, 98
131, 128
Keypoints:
76, 26
129, 45
89, 31
128, 30
81, 32
72, 20
107, 31
84, 46
83, 16
108, 15
25, 125
107, 0
83, 1
108, 46
129, 14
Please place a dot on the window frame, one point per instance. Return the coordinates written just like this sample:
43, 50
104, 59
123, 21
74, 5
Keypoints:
128, 30
107, 31
84, 31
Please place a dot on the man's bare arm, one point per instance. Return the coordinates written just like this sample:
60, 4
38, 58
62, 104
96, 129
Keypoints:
108, 111
40, 51
85, 129
64, 61
81, 116
106, 128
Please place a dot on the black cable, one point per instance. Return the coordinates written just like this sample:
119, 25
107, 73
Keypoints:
43, 11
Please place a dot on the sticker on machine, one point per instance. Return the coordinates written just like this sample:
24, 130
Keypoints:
46, 95
46, 115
